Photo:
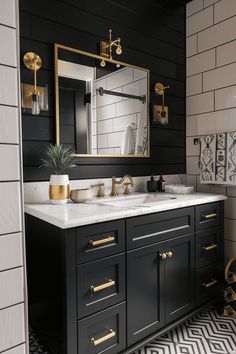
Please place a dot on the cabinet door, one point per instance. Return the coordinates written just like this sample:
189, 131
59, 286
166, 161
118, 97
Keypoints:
179, 277
145, 285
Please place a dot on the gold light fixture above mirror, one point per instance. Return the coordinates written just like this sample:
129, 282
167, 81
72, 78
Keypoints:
106, 48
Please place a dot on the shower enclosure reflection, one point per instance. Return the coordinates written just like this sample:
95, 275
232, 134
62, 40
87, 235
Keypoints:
101, 111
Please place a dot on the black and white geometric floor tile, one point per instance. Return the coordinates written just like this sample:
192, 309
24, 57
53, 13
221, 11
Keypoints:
205, 333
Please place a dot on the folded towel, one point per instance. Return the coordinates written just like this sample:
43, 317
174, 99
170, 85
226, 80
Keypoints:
127, 141
218, 158
141, 136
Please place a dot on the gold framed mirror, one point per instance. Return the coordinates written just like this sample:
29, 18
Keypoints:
101, 111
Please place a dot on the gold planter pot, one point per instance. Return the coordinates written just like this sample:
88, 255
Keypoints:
59, 189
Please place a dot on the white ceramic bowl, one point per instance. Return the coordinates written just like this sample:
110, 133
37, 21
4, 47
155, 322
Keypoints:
179, 189
81, 195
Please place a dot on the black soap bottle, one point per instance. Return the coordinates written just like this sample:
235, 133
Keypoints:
161, 184
152, 184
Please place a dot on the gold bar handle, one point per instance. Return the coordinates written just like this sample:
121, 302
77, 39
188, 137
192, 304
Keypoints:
102, 241
210, 216
210, 284
95, 289
210, 247
96, 342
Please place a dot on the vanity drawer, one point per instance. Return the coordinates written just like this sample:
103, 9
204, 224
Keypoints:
209, 283
152, 228
104, 332
100, 240
208, 215
100, 284
208, 246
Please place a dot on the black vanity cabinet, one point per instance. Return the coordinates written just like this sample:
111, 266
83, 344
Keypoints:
160, 279
112, 287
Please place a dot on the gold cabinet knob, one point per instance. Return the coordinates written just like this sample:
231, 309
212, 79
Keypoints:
163, 255
169, 254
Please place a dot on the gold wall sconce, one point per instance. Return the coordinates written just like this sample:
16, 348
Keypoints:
106, 48
33, 96
161, 112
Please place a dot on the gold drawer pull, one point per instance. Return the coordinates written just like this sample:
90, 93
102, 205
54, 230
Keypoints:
103, 339
210, 247
102, 241
210, 284
210, 216
95, 289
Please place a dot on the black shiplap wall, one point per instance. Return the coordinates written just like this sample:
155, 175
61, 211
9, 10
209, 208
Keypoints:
152, 37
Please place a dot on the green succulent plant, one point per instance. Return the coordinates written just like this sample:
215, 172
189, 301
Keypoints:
59, 158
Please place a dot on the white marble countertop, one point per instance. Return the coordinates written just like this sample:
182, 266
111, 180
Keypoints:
79, 214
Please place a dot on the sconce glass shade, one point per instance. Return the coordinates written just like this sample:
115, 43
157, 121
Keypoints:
118, 50
102, 63
35, 104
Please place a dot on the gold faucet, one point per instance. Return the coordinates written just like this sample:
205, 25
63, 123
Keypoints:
120, 182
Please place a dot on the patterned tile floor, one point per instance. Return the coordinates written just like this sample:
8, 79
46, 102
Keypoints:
204, 333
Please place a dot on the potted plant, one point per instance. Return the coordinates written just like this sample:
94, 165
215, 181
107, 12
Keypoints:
60, 159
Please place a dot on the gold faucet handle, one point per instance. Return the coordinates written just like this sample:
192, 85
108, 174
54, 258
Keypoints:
100, 193
127, 191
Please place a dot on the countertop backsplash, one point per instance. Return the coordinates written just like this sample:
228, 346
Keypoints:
35, 192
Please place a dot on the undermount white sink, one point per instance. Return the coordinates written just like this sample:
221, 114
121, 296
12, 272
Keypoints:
136, 200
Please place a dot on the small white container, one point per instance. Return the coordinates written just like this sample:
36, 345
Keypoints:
179, 189
81, 195
59, 189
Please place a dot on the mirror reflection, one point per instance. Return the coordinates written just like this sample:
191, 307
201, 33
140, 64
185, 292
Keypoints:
102, 111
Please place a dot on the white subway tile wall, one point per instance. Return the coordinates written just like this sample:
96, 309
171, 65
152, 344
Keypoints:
12, 327
11, 285
219, 77
114, 113
194, 84
223, 12
209, 2
226, 54
225, 98
201, 103
191, 47
8, 13
11, 255
211, 91
218, 34
20, 349
9, 132
200, 62
199, 21
12, 273
8, 46
193, 7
